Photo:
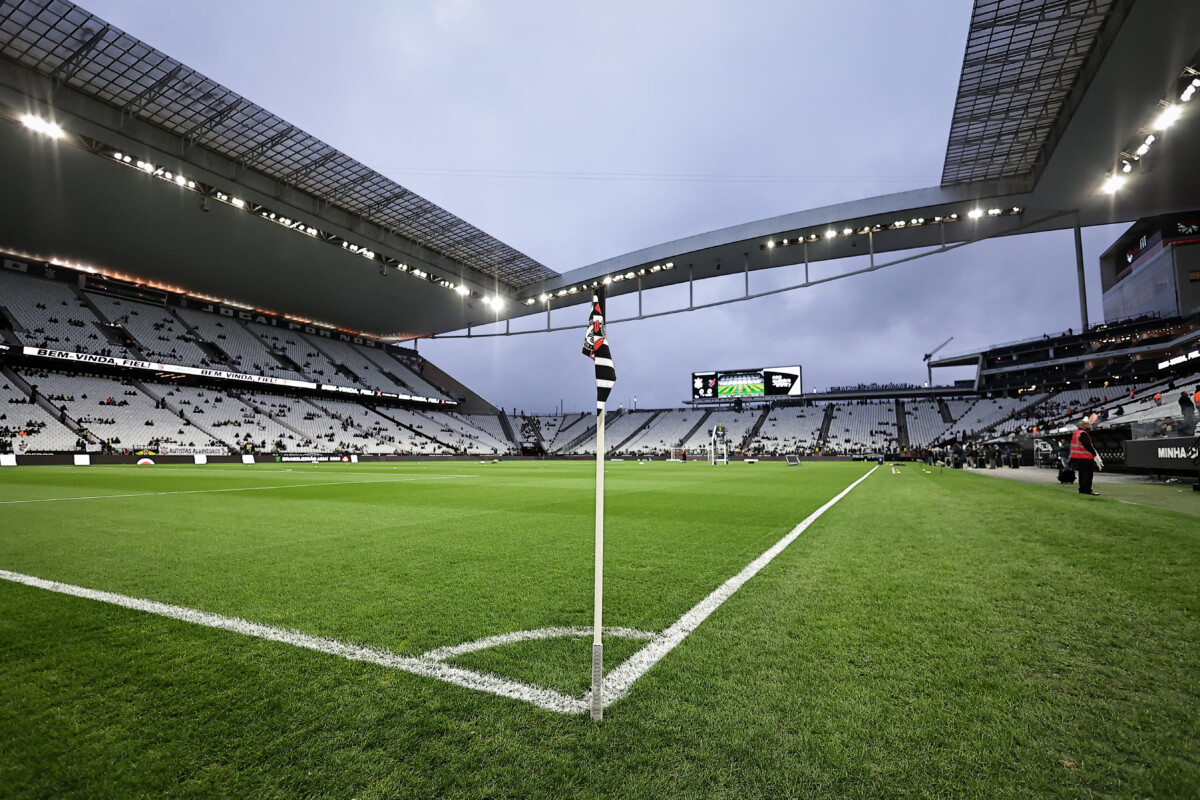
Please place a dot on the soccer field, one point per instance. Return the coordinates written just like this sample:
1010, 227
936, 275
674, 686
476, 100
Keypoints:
933, 633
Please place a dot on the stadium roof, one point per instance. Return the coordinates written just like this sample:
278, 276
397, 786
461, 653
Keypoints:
73, 47
1024, 58
1056, 98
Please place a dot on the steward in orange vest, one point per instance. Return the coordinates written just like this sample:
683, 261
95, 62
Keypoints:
1084, 457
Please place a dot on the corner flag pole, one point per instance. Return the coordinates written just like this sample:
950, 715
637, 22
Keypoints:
597, 616
595, 347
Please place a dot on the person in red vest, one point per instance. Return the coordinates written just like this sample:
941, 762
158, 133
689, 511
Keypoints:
1084, 458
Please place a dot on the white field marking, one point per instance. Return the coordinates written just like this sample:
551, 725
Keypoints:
442, 653
238, 489
484, 682
618, 682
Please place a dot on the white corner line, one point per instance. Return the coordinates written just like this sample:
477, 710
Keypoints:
618, 682
484, 682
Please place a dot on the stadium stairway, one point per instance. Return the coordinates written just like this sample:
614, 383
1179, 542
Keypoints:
280, 358
611, 416
640, 428
699, 424
506, 425
68, 422
752, 434
826, 422
277, 420
216, 355
944, 410
113, 333
901, 424
552, 446
174, 409
412, 430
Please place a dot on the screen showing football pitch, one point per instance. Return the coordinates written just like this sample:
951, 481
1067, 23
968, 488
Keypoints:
768, 382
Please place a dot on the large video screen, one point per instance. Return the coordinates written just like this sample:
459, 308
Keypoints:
748, 383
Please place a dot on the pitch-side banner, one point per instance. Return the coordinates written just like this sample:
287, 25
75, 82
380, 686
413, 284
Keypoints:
180, 369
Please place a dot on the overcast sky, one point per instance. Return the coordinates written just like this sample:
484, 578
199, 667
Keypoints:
576, 132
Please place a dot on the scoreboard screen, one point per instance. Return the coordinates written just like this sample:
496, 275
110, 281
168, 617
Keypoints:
752, 383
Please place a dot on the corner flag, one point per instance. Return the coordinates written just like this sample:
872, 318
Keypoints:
595, 347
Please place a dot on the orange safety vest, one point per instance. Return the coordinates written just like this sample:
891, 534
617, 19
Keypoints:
1077, 448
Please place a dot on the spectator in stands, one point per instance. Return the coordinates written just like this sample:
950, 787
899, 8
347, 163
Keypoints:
1084, 457
1187, 407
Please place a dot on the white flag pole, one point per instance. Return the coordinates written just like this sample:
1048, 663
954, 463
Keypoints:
597, 625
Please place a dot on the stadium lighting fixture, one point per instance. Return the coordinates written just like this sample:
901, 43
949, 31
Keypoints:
937, 219
630, 275
182, 181
239, 202
498, 303
975, 213
1167, 118
462, 290
530, 301
145, 166
993, 212
117, 156
669, 265
1114, 183
607, 280
847, 231
1126, 167
829, 234
39, 125
899, 223
543, 297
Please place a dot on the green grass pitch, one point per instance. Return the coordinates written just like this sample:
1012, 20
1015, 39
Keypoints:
934, 634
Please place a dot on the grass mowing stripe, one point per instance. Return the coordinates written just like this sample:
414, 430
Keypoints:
429, 668
618, 682
237, 489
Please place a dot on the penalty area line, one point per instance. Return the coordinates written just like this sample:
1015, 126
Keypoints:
618, 682
426, 667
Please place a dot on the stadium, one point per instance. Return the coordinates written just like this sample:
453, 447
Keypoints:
258, 539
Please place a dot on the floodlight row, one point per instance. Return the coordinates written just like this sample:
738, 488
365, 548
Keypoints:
1167, 113
834, 232
607, 280
54, 131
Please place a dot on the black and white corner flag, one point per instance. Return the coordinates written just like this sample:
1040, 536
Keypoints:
595, 347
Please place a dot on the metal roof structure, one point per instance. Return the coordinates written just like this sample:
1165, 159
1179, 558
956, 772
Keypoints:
1024, 59
1056, 98
74, 48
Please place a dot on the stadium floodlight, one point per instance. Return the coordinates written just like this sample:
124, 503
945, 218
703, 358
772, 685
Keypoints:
544, 297
530, 301
1114, 183
975, 213
462, 290
179, 179
1126, 167
1167, 118
847, 231
829, 234
770, 243
239, 202
117, 156
39, 125
993, 212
